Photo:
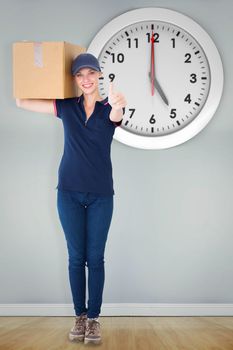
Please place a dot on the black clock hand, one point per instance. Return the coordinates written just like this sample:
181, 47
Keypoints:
152, 64
159, 89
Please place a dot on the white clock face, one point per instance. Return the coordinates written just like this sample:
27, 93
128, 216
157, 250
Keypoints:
184, 88
181, 69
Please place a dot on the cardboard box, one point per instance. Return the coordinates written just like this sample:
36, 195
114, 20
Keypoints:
43, 69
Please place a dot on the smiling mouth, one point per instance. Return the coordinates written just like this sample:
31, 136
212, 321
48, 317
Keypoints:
87, 85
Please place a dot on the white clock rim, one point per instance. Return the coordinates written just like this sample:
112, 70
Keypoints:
213, 57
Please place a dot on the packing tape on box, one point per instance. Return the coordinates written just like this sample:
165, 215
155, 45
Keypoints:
38, 60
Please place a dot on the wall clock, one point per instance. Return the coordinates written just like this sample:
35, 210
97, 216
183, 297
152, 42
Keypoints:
169, 70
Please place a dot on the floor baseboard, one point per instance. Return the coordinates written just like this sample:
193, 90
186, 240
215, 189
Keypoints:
121, 309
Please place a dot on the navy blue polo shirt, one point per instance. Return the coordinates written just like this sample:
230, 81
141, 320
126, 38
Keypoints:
86, 161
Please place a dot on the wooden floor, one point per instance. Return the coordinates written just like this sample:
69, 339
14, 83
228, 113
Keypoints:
120, 333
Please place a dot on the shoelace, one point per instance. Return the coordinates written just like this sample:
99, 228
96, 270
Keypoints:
92, 326
80, 321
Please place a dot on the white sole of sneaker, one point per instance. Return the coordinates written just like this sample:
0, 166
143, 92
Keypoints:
73, 337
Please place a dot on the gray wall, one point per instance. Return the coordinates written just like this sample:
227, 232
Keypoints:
170, 239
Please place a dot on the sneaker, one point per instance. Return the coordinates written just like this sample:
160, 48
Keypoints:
77, 332
92, 333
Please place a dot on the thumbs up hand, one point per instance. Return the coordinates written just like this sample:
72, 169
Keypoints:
116, 99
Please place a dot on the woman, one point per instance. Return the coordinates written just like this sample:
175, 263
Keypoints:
85, 186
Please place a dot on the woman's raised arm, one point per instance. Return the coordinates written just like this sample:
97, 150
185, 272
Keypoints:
36, 105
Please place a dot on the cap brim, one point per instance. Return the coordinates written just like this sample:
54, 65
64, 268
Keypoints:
86, 66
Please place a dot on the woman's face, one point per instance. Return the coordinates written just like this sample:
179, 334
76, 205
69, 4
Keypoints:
87, 80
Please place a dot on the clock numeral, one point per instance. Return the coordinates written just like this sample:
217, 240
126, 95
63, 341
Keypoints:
188, 98
194, 78
120, 57
133, 110
188, 59
173, 113
111, 76
155, 35
152, 120
173, 42
129, 42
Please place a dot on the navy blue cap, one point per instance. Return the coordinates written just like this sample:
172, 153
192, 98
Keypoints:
84, 60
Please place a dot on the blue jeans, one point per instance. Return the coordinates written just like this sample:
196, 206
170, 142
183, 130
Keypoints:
85, 219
